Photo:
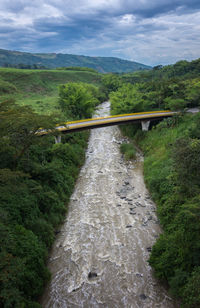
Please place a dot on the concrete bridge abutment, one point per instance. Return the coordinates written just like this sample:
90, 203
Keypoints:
145, 125
57, 139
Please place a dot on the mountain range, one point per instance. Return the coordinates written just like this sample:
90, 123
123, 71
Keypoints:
53, 60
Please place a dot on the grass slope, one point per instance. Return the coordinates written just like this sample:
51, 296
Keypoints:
39, 88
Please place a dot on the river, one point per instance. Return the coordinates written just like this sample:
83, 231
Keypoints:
99, 258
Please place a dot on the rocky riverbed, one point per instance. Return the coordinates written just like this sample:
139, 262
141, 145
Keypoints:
99, 258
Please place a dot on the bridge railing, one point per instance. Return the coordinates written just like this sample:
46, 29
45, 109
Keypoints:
108, 120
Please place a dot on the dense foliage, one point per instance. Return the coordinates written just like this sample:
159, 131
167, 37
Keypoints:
171, 170
174, 94
181, 70
36, 180
78, 100
25, 66
78, 68
128, 150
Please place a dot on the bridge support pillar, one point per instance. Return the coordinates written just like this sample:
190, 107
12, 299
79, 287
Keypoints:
57, 139
145, 125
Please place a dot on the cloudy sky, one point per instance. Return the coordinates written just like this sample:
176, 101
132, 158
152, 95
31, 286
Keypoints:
147, 31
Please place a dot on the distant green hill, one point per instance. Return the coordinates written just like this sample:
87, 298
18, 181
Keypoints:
53, 60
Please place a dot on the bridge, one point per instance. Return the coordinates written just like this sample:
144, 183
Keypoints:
143, 117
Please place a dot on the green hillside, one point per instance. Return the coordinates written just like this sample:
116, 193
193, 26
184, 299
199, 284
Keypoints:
39, 88
53, 60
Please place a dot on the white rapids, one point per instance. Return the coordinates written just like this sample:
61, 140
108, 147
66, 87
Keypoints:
99, 258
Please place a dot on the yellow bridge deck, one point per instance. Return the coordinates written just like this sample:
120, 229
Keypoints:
69, 127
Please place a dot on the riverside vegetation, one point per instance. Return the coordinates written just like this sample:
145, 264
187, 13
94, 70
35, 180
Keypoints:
171, 168
36, 176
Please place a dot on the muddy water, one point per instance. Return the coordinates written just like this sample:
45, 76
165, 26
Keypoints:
100, 256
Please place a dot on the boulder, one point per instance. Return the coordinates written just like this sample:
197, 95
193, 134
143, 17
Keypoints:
143, 296
92, 275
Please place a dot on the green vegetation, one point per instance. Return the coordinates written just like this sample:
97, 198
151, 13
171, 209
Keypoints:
39, 88
78, 68
36, 178
171, 169
128, 150
53, 60
7, 87
156, 94
78, 100
171, 164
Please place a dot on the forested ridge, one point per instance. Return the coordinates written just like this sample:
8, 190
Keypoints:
26, 60
37, 178
171, 168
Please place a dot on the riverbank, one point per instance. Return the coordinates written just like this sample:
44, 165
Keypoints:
171, 150
99, 258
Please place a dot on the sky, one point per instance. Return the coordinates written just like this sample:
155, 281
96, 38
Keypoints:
151, 32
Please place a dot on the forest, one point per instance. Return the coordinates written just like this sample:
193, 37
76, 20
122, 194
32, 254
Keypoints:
10, 58
37, 176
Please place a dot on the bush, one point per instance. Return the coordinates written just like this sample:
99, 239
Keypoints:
77, 100
191, 294
128, 150
7, 87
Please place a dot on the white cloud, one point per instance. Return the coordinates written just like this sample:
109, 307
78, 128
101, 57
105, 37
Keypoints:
168, 39
152, 32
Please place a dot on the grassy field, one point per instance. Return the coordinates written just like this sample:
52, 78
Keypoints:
39, 88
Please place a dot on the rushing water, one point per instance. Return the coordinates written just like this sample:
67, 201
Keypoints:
99, 258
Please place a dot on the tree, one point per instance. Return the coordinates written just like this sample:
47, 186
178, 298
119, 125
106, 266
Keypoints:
186, 156
191, 294
111, 82
76, 100
193, 92
175, 103
18, 127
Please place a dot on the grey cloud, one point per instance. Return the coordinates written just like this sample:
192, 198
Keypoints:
146, 31
108, 8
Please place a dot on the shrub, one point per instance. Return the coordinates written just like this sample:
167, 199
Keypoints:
128, 150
